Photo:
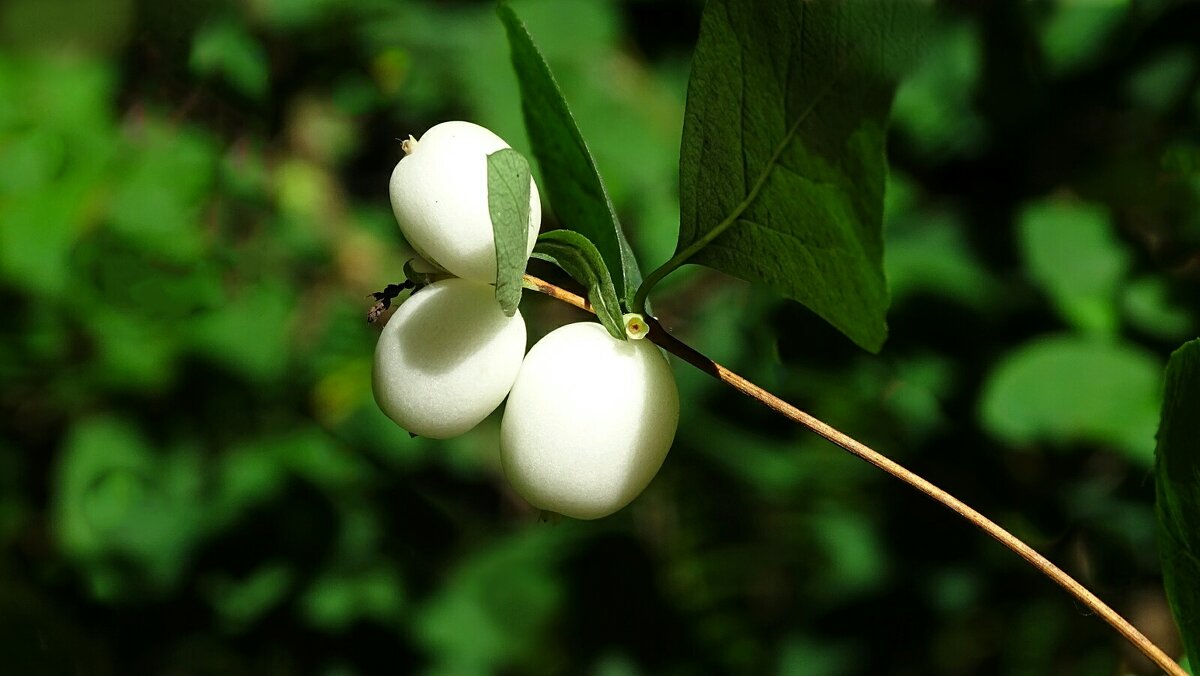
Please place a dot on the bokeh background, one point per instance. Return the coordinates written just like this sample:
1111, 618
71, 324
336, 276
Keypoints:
194, 478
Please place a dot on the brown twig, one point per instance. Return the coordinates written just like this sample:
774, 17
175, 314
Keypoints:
677, 347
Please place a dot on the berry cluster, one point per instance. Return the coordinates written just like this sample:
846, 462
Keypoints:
589, 418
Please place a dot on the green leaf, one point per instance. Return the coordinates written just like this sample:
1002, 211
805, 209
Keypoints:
128, 514
1068, 389
1076, 34
928, 253
508, 204
934, 108
240, 603
1162, 81
1073, 253
339, 599
578, 257
261, 309
165, 184
782, 164
1148, 306
496, 605
1177, 488
572, 183
224, 48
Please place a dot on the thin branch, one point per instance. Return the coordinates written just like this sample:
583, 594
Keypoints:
673, 345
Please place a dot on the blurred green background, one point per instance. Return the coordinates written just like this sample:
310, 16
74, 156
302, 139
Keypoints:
194, 478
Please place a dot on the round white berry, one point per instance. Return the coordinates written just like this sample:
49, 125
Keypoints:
589, 421
447, 358
439, 194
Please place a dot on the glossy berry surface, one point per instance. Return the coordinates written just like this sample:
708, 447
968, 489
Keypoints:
589, 421
439, 194
447, 358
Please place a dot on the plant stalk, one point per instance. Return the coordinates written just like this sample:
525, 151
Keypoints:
661, 337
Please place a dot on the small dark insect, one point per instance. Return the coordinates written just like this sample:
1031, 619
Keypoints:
383, 300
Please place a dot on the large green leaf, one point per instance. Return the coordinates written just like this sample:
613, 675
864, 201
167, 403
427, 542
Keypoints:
1177, 484
508, 206
572, 183
782, 165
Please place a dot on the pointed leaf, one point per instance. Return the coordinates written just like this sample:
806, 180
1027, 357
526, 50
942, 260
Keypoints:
508, 204
578, 257
1177, 486
572, 183
782, 164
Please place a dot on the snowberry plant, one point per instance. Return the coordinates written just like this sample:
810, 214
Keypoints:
453, 350
781, 180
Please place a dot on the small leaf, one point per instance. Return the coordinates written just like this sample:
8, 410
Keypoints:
225, 49
508, 204
1148, 306
1177, 486
1073, 253
578, 257
572, 183
782, 163
1077, 33
496, 605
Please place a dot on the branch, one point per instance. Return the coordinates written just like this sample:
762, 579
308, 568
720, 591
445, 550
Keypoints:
673, 345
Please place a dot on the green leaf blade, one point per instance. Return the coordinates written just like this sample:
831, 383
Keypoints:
508, 205
782, 165
1059, 390
579, 258
1072, 252
1177, 486
572, 183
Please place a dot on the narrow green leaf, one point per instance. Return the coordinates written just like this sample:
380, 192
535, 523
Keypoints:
1177, 486
782, 164
572, 183
508, 204
578, 257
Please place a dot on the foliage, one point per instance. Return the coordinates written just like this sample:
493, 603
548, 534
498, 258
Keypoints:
1177, 480
580, 259
1067, 388
193, 475
508, 206
782, 171
573, 186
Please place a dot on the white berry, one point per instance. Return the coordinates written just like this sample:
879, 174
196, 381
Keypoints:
589, 421
439, 194
447, 358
